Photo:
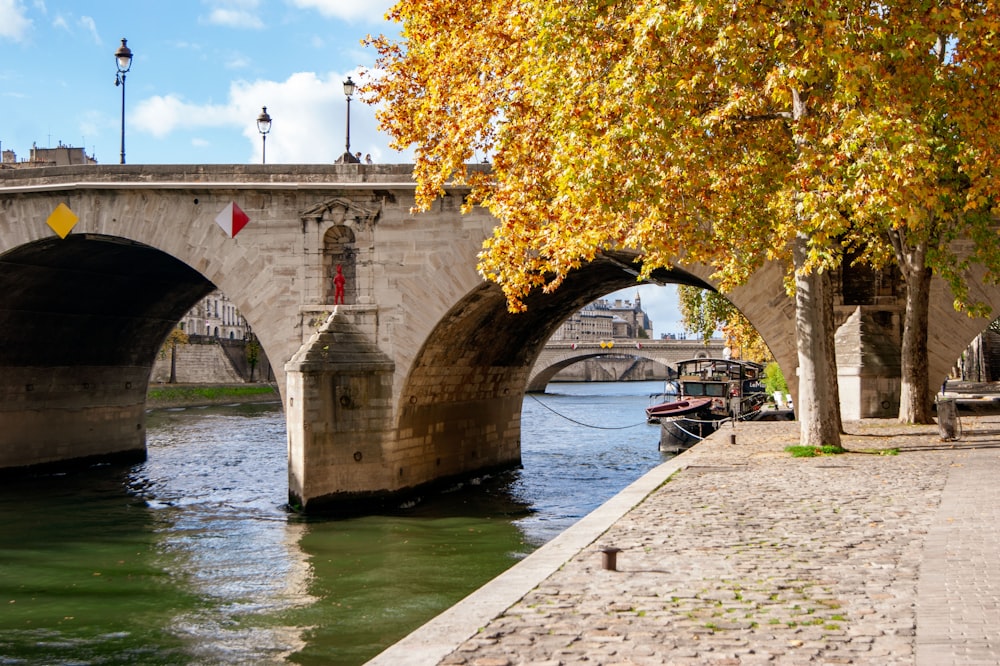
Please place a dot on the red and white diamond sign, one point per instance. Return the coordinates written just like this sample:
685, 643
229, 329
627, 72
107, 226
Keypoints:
232, 219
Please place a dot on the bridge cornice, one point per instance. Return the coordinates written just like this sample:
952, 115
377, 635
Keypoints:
214, 177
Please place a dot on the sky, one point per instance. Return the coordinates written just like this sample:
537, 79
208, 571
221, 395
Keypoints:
201, 72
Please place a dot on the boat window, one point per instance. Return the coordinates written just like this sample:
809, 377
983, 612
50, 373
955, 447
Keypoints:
715, 390
694, 388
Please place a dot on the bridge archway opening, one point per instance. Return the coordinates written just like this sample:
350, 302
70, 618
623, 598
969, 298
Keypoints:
979, 361
82, 320
463, 395
544, 378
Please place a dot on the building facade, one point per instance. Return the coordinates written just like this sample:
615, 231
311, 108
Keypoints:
215, 316
606, 320
61, 155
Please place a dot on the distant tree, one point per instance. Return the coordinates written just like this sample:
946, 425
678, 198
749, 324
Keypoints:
704, 312
253, 354
176, 337
774, 380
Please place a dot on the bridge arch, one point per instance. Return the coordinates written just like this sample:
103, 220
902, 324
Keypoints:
459, 406
82, 320
558, 356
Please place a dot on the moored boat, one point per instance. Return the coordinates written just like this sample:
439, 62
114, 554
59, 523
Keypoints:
710, 391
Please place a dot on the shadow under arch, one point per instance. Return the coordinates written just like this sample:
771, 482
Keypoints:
82, 319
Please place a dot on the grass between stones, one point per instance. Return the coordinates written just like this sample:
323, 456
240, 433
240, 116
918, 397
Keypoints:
799, 451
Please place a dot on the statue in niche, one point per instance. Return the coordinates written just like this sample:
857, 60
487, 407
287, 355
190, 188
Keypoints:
338, 284
340, 266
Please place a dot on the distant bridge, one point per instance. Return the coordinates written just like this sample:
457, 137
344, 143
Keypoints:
556, 356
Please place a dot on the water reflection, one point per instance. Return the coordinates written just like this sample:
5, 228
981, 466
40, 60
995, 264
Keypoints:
83, 579
191, 558
215, 479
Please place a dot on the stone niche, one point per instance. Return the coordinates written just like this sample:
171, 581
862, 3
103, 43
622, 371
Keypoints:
868, 369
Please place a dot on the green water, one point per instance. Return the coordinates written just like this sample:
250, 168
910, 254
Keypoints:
191, 557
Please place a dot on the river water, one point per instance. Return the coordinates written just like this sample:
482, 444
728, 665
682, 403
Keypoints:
192, 558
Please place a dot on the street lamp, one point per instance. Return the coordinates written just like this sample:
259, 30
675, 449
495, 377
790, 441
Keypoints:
123, 59
263, 126
347, 157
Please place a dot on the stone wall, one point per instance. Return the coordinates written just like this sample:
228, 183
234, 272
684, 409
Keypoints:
196, 364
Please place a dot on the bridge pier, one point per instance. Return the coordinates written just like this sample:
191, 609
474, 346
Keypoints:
349, 451
338, 412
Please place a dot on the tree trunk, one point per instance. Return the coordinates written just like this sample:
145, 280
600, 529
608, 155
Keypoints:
818, 406
173, 362
914, 395
830, 328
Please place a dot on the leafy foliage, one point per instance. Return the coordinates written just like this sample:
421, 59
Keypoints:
707, 132
774, 380
704, 312
688, 129
177, 336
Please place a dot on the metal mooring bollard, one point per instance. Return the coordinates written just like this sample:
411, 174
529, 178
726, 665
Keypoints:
609, 558
732, 438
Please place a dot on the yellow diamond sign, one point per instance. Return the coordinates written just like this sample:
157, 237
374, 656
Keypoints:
62, 220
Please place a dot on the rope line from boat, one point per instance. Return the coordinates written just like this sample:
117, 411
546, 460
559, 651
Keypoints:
586, 425
716, 421
687, 432
691, 434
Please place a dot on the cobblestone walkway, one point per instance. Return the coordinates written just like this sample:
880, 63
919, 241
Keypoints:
749, 556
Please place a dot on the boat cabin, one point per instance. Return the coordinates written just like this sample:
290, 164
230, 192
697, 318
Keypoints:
719, 378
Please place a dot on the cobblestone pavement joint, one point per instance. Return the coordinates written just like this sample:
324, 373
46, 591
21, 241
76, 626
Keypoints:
741, 554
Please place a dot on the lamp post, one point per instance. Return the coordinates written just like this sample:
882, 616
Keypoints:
263, 126
123, 59
347, 157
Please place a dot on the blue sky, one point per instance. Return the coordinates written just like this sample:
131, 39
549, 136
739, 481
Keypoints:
201, 71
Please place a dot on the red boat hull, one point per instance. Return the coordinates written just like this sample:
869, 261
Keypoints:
676, 408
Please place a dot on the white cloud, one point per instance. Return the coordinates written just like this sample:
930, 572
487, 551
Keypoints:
236, 14
367, 11
86, 23
91, 123
309, 115
90, 26
162, 114
237, 61
14, 21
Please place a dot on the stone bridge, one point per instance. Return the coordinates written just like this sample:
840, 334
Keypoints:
556, 356
416, 379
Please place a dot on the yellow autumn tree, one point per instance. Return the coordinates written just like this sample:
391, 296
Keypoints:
915, 164
720, 133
